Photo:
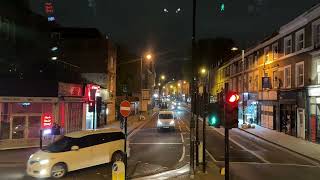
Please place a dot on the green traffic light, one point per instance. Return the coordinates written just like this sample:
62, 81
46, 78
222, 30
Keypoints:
213, 121
222, 7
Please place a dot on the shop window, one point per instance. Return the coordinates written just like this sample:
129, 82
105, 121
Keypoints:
4, 121
300, 74
287, 76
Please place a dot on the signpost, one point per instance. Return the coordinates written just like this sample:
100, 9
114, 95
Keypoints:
125, 109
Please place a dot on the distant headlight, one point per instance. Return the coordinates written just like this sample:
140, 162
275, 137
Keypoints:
159, 122
45, 161
179, 104
171, 122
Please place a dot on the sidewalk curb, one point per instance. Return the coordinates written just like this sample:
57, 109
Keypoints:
308, 157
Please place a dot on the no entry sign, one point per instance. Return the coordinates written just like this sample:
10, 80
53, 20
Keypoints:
125, 108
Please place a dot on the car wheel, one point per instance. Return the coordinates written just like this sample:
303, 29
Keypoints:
117, 156
59, 170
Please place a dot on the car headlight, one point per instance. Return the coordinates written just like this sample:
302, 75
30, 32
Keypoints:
159, 122
171, 122
31, 156
43, 172
179, 104
45, 161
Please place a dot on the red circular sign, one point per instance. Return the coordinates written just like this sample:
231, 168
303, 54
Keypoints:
125, 108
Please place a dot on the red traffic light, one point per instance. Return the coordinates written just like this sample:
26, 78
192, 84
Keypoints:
232, 98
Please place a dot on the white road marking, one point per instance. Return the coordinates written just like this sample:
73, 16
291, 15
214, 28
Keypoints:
246, 149
210, 155
181, 137
125, 108
183, 154
157, 143
137, 129
186, 126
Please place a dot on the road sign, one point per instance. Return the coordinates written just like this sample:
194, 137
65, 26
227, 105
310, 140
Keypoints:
125, 108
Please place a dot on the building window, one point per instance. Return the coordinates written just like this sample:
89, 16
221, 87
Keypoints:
316, 33
287, 45
275, 50
300, 40
300, 74
287, 76
266, 54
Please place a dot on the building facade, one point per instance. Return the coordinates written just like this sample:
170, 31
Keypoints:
279, 79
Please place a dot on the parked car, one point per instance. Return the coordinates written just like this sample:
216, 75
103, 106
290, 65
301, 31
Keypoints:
75, 151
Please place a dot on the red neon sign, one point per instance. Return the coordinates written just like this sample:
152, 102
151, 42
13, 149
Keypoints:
48, 7
46, 120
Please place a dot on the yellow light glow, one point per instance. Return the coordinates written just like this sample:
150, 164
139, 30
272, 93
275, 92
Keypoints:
203, 71
163, 77
179, 84
184, 82
148, 56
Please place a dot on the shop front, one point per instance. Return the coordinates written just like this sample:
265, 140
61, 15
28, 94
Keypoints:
292, 113
20, 118
313, 114
267, 109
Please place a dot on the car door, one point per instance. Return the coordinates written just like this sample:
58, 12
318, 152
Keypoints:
98, 151
108, 144
81, 158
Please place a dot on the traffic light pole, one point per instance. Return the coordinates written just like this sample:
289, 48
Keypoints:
226, 152
197, 100
204, 123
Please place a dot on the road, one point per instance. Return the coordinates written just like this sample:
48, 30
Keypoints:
253, 158
154, 152
151, 152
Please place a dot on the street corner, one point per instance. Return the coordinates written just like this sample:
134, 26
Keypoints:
213, 171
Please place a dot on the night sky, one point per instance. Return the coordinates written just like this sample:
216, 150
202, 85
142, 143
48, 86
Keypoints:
143, 25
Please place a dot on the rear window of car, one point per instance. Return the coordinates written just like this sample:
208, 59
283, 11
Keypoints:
165, 116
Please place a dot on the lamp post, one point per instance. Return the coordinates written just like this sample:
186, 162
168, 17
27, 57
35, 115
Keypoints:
242, 77
148, 57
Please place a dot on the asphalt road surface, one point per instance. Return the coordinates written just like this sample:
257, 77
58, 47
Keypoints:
153, 152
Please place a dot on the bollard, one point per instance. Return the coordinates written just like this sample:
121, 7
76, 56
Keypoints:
118, 171
200, 152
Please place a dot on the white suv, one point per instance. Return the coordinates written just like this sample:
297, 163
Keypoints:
75, 151
166, 119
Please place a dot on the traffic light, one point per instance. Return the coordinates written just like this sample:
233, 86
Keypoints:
232, 100
214, 115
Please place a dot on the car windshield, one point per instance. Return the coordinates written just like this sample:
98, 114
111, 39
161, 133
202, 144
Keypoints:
61, 145
165, 116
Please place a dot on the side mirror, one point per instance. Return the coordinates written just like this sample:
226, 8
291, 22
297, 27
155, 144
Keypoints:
74, 148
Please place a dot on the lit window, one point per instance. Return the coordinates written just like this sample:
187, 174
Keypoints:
300, 40
275, 50
266, 54
288, 45
287, 76
300, 74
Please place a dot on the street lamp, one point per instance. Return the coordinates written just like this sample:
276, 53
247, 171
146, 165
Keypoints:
179, 84
163, 77
148, 56
203, 71
184, 82
159, 84
242, 74
171, 86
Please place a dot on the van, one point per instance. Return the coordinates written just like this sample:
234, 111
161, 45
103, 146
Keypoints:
166, 120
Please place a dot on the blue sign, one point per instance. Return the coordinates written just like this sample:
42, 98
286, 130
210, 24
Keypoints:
51, 18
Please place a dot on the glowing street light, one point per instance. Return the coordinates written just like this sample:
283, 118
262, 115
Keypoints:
171, 86
179, 84
148, 56
159, 84
184, 82
203, 71
163, 77
234, 49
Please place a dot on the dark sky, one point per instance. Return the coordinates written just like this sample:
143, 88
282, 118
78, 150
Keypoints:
143, 25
